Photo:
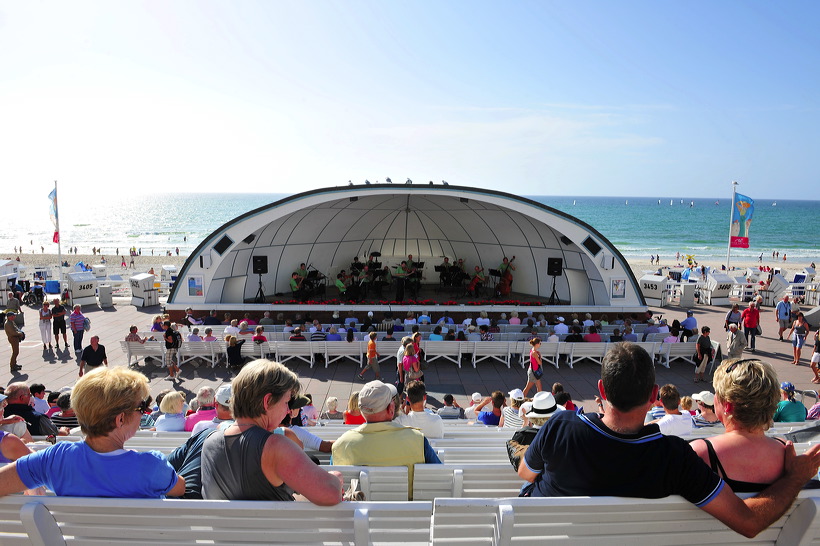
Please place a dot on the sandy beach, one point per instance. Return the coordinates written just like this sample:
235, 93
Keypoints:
144, 263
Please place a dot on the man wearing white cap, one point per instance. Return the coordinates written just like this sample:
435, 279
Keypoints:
475, 400
616, 454
223, 410
380, 441
561, 327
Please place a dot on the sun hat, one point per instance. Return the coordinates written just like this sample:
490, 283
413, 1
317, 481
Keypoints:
560, 319
376, 396
543, 405
298, 402
516, 394
476, 397
706, 397
223, 395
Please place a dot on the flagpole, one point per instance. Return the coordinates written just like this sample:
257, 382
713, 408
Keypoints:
59, 238
731, 213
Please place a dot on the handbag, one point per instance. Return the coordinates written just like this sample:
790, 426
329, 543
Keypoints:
759, 330
539, 373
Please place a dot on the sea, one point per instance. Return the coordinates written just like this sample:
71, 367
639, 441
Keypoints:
637, 226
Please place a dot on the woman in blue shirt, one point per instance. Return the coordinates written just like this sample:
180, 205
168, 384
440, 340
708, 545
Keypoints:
109, 403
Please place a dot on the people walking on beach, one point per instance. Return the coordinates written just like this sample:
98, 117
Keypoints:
45, 325
122, 262
783, 316
798, 334
77, 323
751, 320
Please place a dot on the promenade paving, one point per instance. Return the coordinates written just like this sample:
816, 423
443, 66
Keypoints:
59, 368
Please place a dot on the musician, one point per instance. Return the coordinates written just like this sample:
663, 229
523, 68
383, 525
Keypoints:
477, 282
365, 281
413, 279
302, 271
356, 265
444, 274
459, 272
340, 284
505, 284
401, 275
296, 286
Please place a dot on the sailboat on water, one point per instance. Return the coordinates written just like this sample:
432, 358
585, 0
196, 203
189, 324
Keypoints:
627, 202
670, 202
774, 204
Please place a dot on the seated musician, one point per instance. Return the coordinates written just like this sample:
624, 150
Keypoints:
444, 273
296, 286
340, 284
458, 272
477, 282
302, 271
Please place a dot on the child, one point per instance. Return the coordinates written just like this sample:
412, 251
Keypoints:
686, 404
372, 357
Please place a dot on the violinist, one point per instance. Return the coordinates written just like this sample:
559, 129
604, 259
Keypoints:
401, 276
477, 282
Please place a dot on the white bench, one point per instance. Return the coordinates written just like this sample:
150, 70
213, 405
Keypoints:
604, 520
288, 350
50, 521
139, 351
431, 481
581, 351
674, 351
448, 350
338, 350
190, 350
499, 350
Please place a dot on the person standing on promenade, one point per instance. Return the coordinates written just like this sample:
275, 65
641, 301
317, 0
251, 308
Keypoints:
45, 325
735, 342
77, 322
751, 320
58, 323
15, 336
798, 334
173, 340
640, 461
783, 316
93, 356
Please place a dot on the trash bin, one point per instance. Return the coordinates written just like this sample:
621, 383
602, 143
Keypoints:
105, 293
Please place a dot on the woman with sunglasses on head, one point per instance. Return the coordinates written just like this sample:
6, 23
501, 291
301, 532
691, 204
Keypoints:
252, 459
746, 397
109, 403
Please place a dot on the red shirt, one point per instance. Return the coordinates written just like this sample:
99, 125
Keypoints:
750, 317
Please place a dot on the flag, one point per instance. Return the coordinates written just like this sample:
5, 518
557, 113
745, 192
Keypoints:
742, 210
53, 214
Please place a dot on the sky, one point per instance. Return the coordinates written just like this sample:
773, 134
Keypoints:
624, 98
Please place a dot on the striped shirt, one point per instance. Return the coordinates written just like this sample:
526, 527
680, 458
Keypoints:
77, 321
511, 418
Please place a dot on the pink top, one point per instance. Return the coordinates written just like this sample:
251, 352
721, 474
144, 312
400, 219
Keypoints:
534, 358
408, 361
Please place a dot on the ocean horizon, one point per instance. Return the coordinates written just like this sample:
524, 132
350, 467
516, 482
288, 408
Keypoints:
637, 226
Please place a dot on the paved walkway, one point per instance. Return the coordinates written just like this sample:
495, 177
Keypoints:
58, 369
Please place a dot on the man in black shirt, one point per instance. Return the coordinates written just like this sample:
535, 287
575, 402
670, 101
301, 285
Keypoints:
19, 398
93, 356
615, 454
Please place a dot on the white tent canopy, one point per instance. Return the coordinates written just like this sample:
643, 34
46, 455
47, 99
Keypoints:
327, 228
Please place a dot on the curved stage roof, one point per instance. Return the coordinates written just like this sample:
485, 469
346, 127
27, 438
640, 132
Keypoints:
326, 228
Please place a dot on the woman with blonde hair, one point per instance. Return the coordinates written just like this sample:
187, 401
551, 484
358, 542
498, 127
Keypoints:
233, 350
353, 415
332, 412
173, 416
249, 460
109, 403
746, 397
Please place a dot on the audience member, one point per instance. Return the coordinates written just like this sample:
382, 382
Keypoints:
172, 418
66, 417
789, 410
492, 417
673, 423
19, 403
417, 415
353, 416
510, 416
222, 404
706, 410
332, 412
542, 407
205, 398
451, 409
38, 393
108, 403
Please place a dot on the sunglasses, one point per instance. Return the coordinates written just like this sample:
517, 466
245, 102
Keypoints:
734, 364
144, 406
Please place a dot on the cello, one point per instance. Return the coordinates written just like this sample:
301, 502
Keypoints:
505, 284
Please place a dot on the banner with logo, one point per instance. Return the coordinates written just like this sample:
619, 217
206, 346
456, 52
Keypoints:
742, 211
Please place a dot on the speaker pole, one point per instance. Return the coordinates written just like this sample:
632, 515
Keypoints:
554, 296
260, 294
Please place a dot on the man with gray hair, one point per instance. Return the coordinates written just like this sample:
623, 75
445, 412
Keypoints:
380, 441
735, 342
223, 411
205, 399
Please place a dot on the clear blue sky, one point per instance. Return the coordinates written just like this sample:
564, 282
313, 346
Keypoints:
549, 98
